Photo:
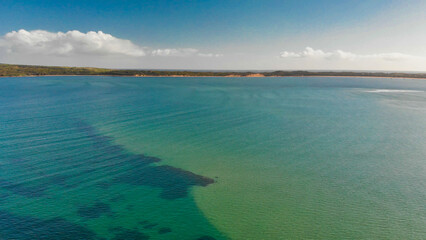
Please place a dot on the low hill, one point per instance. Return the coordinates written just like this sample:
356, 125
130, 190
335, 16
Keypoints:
10, 70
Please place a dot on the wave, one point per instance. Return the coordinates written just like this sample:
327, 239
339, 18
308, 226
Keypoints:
393, 91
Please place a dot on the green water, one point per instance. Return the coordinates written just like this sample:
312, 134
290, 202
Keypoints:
223, 158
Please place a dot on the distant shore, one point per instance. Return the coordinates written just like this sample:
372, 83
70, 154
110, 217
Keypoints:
9, 70
188, 76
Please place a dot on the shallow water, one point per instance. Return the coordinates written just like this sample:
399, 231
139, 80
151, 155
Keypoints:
189, 158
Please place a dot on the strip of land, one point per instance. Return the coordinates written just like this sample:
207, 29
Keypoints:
10, 70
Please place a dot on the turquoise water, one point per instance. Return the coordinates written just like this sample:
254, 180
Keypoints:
212, 158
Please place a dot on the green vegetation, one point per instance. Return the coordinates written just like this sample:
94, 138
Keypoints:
9, 70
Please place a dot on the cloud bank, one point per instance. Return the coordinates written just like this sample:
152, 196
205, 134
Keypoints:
182, 52
69, 43
342, 55
76, 43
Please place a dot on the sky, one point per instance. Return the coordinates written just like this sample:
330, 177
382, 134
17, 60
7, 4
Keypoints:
379, 35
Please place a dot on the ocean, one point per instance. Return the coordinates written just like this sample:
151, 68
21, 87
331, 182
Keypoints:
93, 157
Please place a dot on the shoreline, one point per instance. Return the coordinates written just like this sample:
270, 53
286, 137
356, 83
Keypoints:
230, 76
13, 70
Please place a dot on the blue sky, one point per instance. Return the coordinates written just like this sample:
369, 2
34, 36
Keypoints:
251, 34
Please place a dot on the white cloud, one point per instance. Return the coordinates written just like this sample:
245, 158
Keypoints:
342, 55
210, 55
182, 52
76, 43
69, 43
308, 52
174, 52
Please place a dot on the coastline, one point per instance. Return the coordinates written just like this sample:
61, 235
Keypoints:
228, 76
13, 70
